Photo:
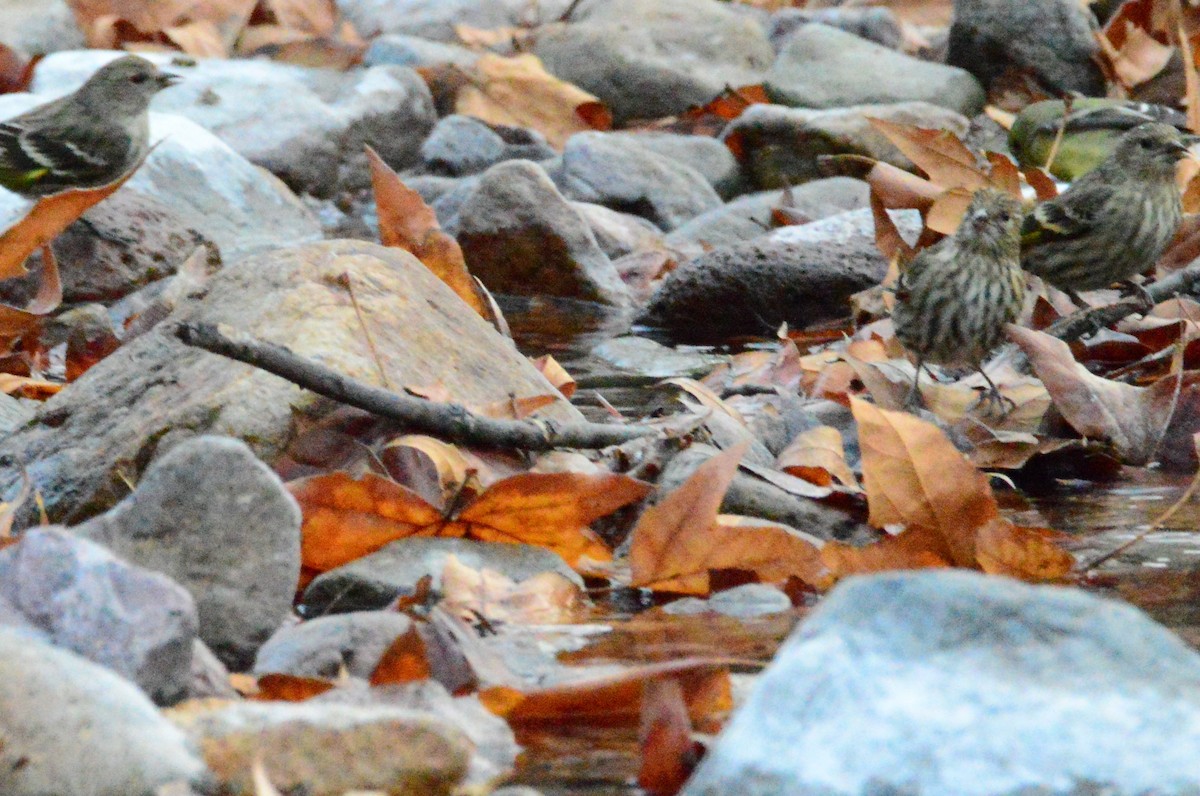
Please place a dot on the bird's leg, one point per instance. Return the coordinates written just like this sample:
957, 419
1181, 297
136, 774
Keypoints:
914, 401
1138, 289
1076, 299
993, 397
110, 237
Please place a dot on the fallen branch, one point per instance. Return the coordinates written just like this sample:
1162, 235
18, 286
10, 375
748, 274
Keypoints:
1078, 324
451, 422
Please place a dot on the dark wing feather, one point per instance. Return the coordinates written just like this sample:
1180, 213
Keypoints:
1069, 216
1125, 116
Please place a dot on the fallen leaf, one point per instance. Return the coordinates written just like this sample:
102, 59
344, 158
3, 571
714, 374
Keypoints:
913, 548
817, 455
1023, 553
543, 599
404, 661
289, 688
556, 374
668, 753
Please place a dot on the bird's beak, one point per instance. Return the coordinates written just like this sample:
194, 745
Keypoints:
166, 80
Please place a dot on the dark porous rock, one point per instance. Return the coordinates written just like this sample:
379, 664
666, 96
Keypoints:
327, 645
614, 171
709, 157
217, 520
782, 145
414, 51
101, 431
799, 275
139, 624
462, 145
651, 58
308, 126
373, 581
824, 67
520, 235
750, 216
73, 727
619, 234
436, 20
873, 24
944, 681
1052, 41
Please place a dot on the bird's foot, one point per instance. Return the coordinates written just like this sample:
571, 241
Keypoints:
1131, 288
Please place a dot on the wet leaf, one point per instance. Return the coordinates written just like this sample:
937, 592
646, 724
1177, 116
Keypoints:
667, 750
289, 688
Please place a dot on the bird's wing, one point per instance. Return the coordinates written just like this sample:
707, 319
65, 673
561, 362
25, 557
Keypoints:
44, 150
1122, 116
1066, 217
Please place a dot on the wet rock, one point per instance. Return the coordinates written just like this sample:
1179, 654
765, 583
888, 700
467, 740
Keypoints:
782, 145
72, 727
331, 749
436, 19
307, 126
969, 684
613, 171
137, 623
462, 145
1052, 42
38, 28
217, 520
743, 602
327, 645
750, 216
191, 183
520, 235
799, 275
619, 234
824, 67
153, 393
873, 24
651, 58
413, 51
373, 581
708, 156
646, 357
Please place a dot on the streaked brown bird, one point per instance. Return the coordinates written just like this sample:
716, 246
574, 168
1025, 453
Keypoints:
954, 298
1113, 222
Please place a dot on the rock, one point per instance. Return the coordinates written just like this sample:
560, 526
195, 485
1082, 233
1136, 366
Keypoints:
651, 58
103, 429
38, 28
705, 154
219, 521
619, 234
373, 581
328, 749
413, 51
956, 682
14, 413
781, 145
611, 170
646, 357
209, 677
873, 24
306, 125
73, 727
519, 235
324, 646
823, 67
750, 216
191, 183
436, 19
1052, 42
462, 145
137, 623
799, 275
744, 602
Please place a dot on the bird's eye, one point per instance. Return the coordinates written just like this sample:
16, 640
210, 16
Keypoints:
1145, 143
1004, 216
138, 78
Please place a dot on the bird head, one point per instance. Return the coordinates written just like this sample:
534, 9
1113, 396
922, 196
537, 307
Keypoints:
1151, 151
993, 221
125, 86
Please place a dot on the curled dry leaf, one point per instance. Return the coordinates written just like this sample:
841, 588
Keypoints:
817, 455
556, 374
545, 598
705, 397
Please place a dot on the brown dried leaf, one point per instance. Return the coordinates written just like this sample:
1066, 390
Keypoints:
543, 599
668, 753
556, 374
817, 455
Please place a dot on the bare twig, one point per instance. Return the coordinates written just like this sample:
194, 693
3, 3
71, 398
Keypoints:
450, 422
1080, 323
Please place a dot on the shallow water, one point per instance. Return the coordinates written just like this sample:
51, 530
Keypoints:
1160, 574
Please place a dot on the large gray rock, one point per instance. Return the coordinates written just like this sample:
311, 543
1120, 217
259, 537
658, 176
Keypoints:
801, 275
705, 154
1051, 41
615, 171
437, 19
462, 145
520, 235
308, 126
824, 67
328, 645
102, 430
617, 233
139, 624
951, 682
873, 24
651, 58
218, 521
373, 581
781, 145
38, 28
72, 727
400, 50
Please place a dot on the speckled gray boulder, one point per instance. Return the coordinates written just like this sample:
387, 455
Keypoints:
324, 646
461, 145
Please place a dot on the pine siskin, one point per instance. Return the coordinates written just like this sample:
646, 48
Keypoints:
1090, 131
954, 298
1113, 222
85, 139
